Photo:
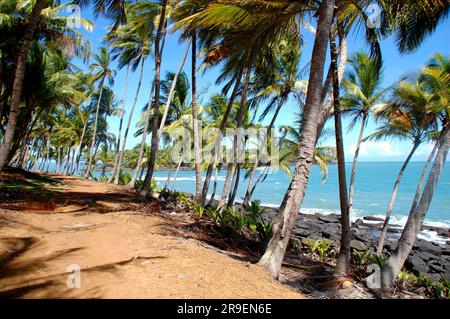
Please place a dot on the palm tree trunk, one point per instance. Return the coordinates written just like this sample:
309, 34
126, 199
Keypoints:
343, 261
238, 147
415, 220
169, 174
216, 177
91, 154
171, 92
197, 155
246, 201
47, 157
226, 185
392, 199
130, 116
176, 173
422, 178
355, 162
138, 168
154, 146
285, 219
218, 139
19, 76
81, 146
58, 160
119, 133
66, 170
258, 181
237, 177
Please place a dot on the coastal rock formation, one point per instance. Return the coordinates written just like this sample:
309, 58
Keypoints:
426, 258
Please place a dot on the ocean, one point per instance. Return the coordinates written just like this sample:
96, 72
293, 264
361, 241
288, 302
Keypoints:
373, 186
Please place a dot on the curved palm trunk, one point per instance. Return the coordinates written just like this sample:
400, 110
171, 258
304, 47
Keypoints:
155, 142
58, 160
218, 139
355, 163
238, 148
343, 261
19, 76
258, 181
176, 173
285, 219
66, 169
392, 199
237, 177
80, 152
249, 191
119, 133
169, 174
197, 155
139, 168
216, 177
246, 201
422, 178
226, 185
91, 153
171, 92
415, 220
130, 116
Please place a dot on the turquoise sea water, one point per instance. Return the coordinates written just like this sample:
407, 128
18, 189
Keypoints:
373, 187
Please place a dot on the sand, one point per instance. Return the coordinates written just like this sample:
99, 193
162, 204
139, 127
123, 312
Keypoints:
120, 250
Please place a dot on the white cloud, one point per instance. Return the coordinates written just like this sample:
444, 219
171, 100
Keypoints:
377, 149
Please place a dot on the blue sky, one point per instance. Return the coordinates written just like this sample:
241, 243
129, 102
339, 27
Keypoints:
395, 66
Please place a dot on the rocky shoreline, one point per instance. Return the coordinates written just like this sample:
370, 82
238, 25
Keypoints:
426, 258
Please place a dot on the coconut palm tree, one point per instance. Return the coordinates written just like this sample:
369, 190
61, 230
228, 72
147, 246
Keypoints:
160, 35
39, 19
436, 77
132, 44
409, 117
103, 72
362, 95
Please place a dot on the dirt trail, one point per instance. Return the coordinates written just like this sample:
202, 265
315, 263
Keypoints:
121, 252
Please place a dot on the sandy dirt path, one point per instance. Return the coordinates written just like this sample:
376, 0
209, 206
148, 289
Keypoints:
120, 251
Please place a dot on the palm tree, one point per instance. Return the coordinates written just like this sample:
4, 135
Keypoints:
362, 94
103, 73
409, 117
132, 46
273, 19
23, 13
436, 77
343, 261
154, 145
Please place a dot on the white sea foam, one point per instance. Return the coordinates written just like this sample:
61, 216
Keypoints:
395, 222
191, 179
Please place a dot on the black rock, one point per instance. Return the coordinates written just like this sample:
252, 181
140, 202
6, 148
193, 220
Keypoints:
359, 222
417, 264
426, 246
358, 245
374, 218
329, 219
436, 268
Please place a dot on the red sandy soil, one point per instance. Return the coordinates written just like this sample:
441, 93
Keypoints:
120, 249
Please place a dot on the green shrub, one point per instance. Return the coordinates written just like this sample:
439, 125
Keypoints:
213, 213
264, 230
199, 210
360, 257
321, 247
442, 287
379, 260
124, 178
103, 179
